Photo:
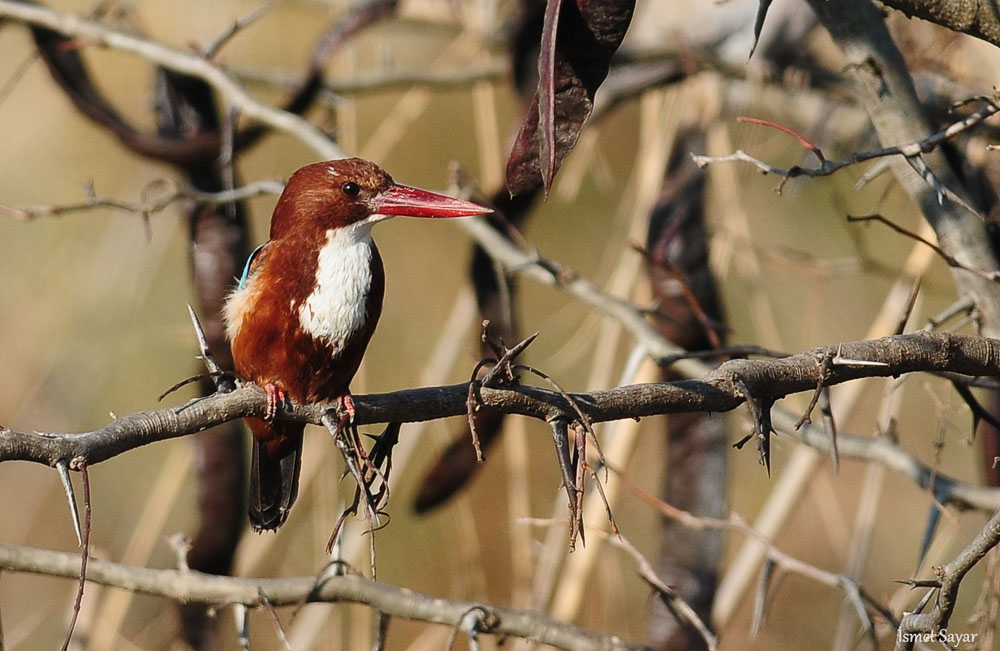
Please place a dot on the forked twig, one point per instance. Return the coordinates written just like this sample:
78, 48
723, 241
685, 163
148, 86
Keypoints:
212, 51
911, 153
501, 374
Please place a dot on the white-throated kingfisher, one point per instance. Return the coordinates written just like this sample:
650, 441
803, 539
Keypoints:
308, 303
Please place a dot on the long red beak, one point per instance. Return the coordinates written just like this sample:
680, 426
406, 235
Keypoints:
414, 202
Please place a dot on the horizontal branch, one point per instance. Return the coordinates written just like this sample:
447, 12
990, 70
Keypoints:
149, 205
190, 586
721, 390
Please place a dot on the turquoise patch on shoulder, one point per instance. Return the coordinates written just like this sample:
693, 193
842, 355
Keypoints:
246, 267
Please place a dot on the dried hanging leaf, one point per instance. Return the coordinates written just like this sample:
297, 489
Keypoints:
579, 37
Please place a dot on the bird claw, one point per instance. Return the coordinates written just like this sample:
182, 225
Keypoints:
275, 397
347, 410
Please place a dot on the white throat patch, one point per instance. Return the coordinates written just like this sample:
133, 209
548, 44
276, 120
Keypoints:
336, 307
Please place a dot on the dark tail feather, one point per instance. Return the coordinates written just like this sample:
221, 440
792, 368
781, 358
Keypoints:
274, 484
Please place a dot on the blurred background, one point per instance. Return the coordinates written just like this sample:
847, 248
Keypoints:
93, 318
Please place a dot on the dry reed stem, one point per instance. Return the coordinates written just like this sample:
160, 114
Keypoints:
488, 138
518, 455
801, 466
604, 357
414, 102
658, 127
866, 515
150, 530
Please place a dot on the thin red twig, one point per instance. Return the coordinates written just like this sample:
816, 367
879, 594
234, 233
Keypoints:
780, 127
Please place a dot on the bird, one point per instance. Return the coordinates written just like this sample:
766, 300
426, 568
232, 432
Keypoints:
302, 315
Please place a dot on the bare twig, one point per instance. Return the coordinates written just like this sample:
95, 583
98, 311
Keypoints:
178, 60
148, 206
795, 134
879, 73
908, 151
235, 27
519, 262
396, 78
680, 608
775, 555
212, 589
992, 276
949, 579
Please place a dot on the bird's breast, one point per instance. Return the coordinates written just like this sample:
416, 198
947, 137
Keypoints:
336, 308
305, 315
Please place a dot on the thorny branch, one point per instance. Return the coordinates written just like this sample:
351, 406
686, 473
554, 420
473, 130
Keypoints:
717, 392
84, 556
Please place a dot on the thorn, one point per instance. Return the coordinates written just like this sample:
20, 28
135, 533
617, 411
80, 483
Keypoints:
336, 551
74, 510
933, 519
764, 580
560, 435
224, 382
199, 332
840, 360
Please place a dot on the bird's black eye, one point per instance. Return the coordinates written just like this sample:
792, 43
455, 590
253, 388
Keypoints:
351, 189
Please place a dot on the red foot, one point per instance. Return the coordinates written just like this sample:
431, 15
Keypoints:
347, 402
275, 397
